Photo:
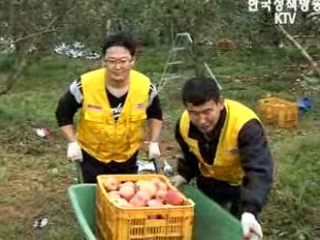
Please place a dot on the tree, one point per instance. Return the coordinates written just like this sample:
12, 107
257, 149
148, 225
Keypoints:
32, 27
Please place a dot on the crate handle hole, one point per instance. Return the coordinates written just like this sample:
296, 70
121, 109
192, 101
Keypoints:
156, 217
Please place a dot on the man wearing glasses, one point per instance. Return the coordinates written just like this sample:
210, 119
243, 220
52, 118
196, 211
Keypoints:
114, 102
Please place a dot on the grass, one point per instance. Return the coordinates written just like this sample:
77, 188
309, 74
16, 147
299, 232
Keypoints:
34, 173
296, 189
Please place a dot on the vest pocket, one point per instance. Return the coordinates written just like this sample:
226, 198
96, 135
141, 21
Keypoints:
138, 117
136, 127
94, 117
94, 124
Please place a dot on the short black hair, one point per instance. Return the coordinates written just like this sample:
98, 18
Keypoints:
121, 39
200, 90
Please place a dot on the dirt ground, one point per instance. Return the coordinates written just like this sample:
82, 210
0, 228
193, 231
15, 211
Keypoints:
36, 174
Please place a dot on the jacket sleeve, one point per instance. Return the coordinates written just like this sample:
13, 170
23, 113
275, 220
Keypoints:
258, 167
188, 164
68, 104
154, 108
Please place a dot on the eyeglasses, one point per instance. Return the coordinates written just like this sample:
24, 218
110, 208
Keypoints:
114, 63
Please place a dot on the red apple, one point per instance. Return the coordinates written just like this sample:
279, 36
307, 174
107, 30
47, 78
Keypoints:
173, 198
137, 202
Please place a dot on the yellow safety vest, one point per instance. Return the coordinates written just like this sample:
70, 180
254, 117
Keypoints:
226, 163
98, 133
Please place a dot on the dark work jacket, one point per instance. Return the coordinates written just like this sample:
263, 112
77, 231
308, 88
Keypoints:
256, 162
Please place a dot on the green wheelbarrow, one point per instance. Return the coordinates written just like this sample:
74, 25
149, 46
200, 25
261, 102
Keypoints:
211, 222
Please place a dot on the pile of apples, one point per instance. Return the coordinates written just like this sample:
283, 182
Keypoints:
142, 193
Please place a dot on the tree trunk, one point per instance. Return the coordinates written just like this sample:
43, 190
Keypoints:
20, 65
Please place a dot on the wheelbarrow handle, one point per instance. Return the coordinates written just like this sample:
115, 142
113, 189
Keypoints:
157, 165
79, 170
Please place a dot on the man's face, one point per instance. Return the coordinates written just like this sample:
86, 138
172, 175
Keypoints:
118, 62
205, 116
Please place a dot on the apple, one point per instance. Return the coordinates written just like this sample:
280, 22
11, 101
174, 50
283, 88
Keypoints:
137, 202
154, 203
123, 202
128, 183
144, 196
127, 191
111, 183
159, 184
114, 194
149, 188
161, 194
173, 198
162, 186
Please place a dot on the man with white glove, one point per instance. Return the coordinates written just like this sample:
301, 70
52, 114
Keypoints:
114, 102
249, 223
250, 226
225, 148
154, 150
74, 152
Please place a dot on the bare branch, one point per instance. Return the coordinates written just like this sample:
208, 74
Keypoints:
35, 35
302, 50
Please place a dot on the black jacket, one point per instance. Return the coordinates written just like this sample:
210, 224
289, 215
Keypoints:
255, 157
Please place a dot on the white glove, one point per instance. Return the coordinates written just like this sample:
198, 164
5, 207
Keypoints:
250, 226
178, 180
154, 150
74, 152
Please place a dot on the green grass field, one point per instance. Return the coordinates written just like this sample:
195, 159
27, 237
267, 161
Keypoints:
34, 172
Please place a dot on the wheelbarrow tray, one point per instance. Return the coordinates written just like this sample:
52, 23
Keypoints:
211, 222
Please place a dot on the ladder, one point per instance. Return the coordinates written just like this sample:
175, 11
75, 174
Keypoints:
211, 75
177, 57
173, 68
